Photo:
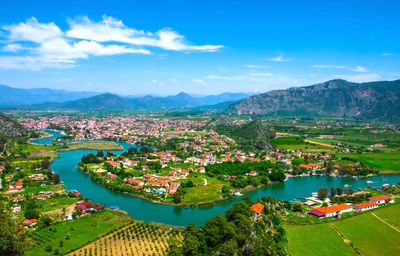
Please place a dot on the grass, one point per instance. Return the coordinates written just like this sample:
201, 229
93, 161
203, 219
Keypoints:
390, 214
82, 231
94, 145
295, 143
370, 235
202, 194
366, 233
55, 203
385, 162
316, 240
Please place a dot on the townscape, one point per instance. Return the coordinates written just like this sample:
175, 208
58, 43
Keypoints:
199, 128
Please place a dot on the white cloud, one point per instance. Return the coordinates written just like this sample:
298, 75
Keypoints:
200, 81
354, 69
278, 59
113, 30
386, 54
47, 46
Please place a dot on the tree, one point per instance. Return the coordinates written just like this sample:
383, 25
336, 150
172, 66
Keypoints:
322, 193
297, 207
339, 191
189, 184
178, 195
333, 192
14, 239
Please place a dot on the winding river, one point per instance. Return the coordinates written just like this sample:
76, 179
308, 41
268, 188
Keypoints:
144, 210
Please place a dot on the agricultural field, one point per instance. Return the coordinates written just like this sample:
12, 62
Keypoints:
319, 239
67, 236
135, 239
55, 203
364, 234
95, 145
384, 162
297, 143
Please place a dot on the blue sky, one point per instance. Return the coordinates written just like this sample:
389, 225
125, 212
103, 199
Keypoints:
207, 47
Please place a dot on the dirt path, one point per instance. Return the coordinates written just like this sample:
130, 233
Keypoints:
347, 241
387, 223
320, 143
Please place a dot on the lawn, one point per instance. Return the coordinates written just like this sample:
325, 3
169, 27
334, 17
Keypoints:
200, 193
390, 214
368, 234
52, 204
316, 240
81, 232
385, 162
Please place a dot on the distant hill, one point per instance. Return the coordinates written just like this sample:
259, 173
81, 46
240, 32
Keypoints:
10, 127
336, 98
11, 97
253, 135
110, 101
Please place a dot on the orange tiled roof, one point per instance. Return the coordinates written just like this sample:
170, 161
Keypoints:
258, 208
381, 197
367, 204
333, 208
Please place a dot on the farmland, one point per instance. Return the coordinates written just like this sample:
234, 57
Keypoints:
364, 234
136, 239
66, 236
385, 162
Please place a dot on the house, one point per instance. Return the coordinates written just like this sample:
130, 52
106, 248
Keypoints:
365, 206
382, 199
252, 173
111, 175
257, 210
16, 199
16, 208
30, 222
89, 206
174, 187
330, 211
202, 169
135, 182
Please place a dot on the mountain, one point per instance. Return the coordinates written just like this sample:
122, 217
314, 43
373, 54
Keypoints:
335, 98
110, 101
10, 96
10, 127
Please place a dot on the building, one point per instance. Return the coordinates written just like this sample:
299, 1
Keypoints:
89, 206
365, 206
334, 210
382, 199
174, 187
257, 210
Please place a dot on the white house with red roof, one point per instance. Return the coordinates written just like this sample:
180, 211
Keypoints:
382, 199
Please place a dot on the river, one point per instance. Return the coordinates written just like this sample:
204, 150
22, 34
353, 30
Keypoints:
144, 210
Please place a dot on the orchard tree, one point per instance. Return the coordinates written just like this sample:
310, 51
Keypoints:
322, 194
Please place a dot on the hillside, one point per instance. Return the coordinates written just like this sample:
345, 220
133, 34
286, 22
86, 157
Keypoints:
10, 96
252, 135
10, 128
336, 98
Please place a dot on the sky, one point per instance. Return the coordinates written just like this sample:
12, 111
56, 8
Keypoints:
203, 47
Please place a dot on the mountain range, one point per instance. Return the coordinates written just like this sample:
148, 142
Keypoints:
335, 98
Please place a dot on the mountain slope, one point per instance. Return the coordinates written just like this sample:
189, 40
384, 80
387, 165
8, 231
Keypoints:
10, 96
10, 127
336, 98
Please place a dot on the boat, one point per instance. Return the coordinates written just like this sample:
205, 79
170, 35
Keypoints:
383, 179
368, 182
346, 185
238, 194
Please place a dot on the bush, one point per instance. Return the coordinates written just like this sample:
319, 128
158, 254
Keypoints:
49, 248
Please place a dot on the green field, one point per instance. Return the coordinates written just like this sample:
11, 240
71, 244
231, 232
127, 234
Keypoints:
385, 162
368, 235
94, 145
81, 231
316, 240
297, 143
52, 204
